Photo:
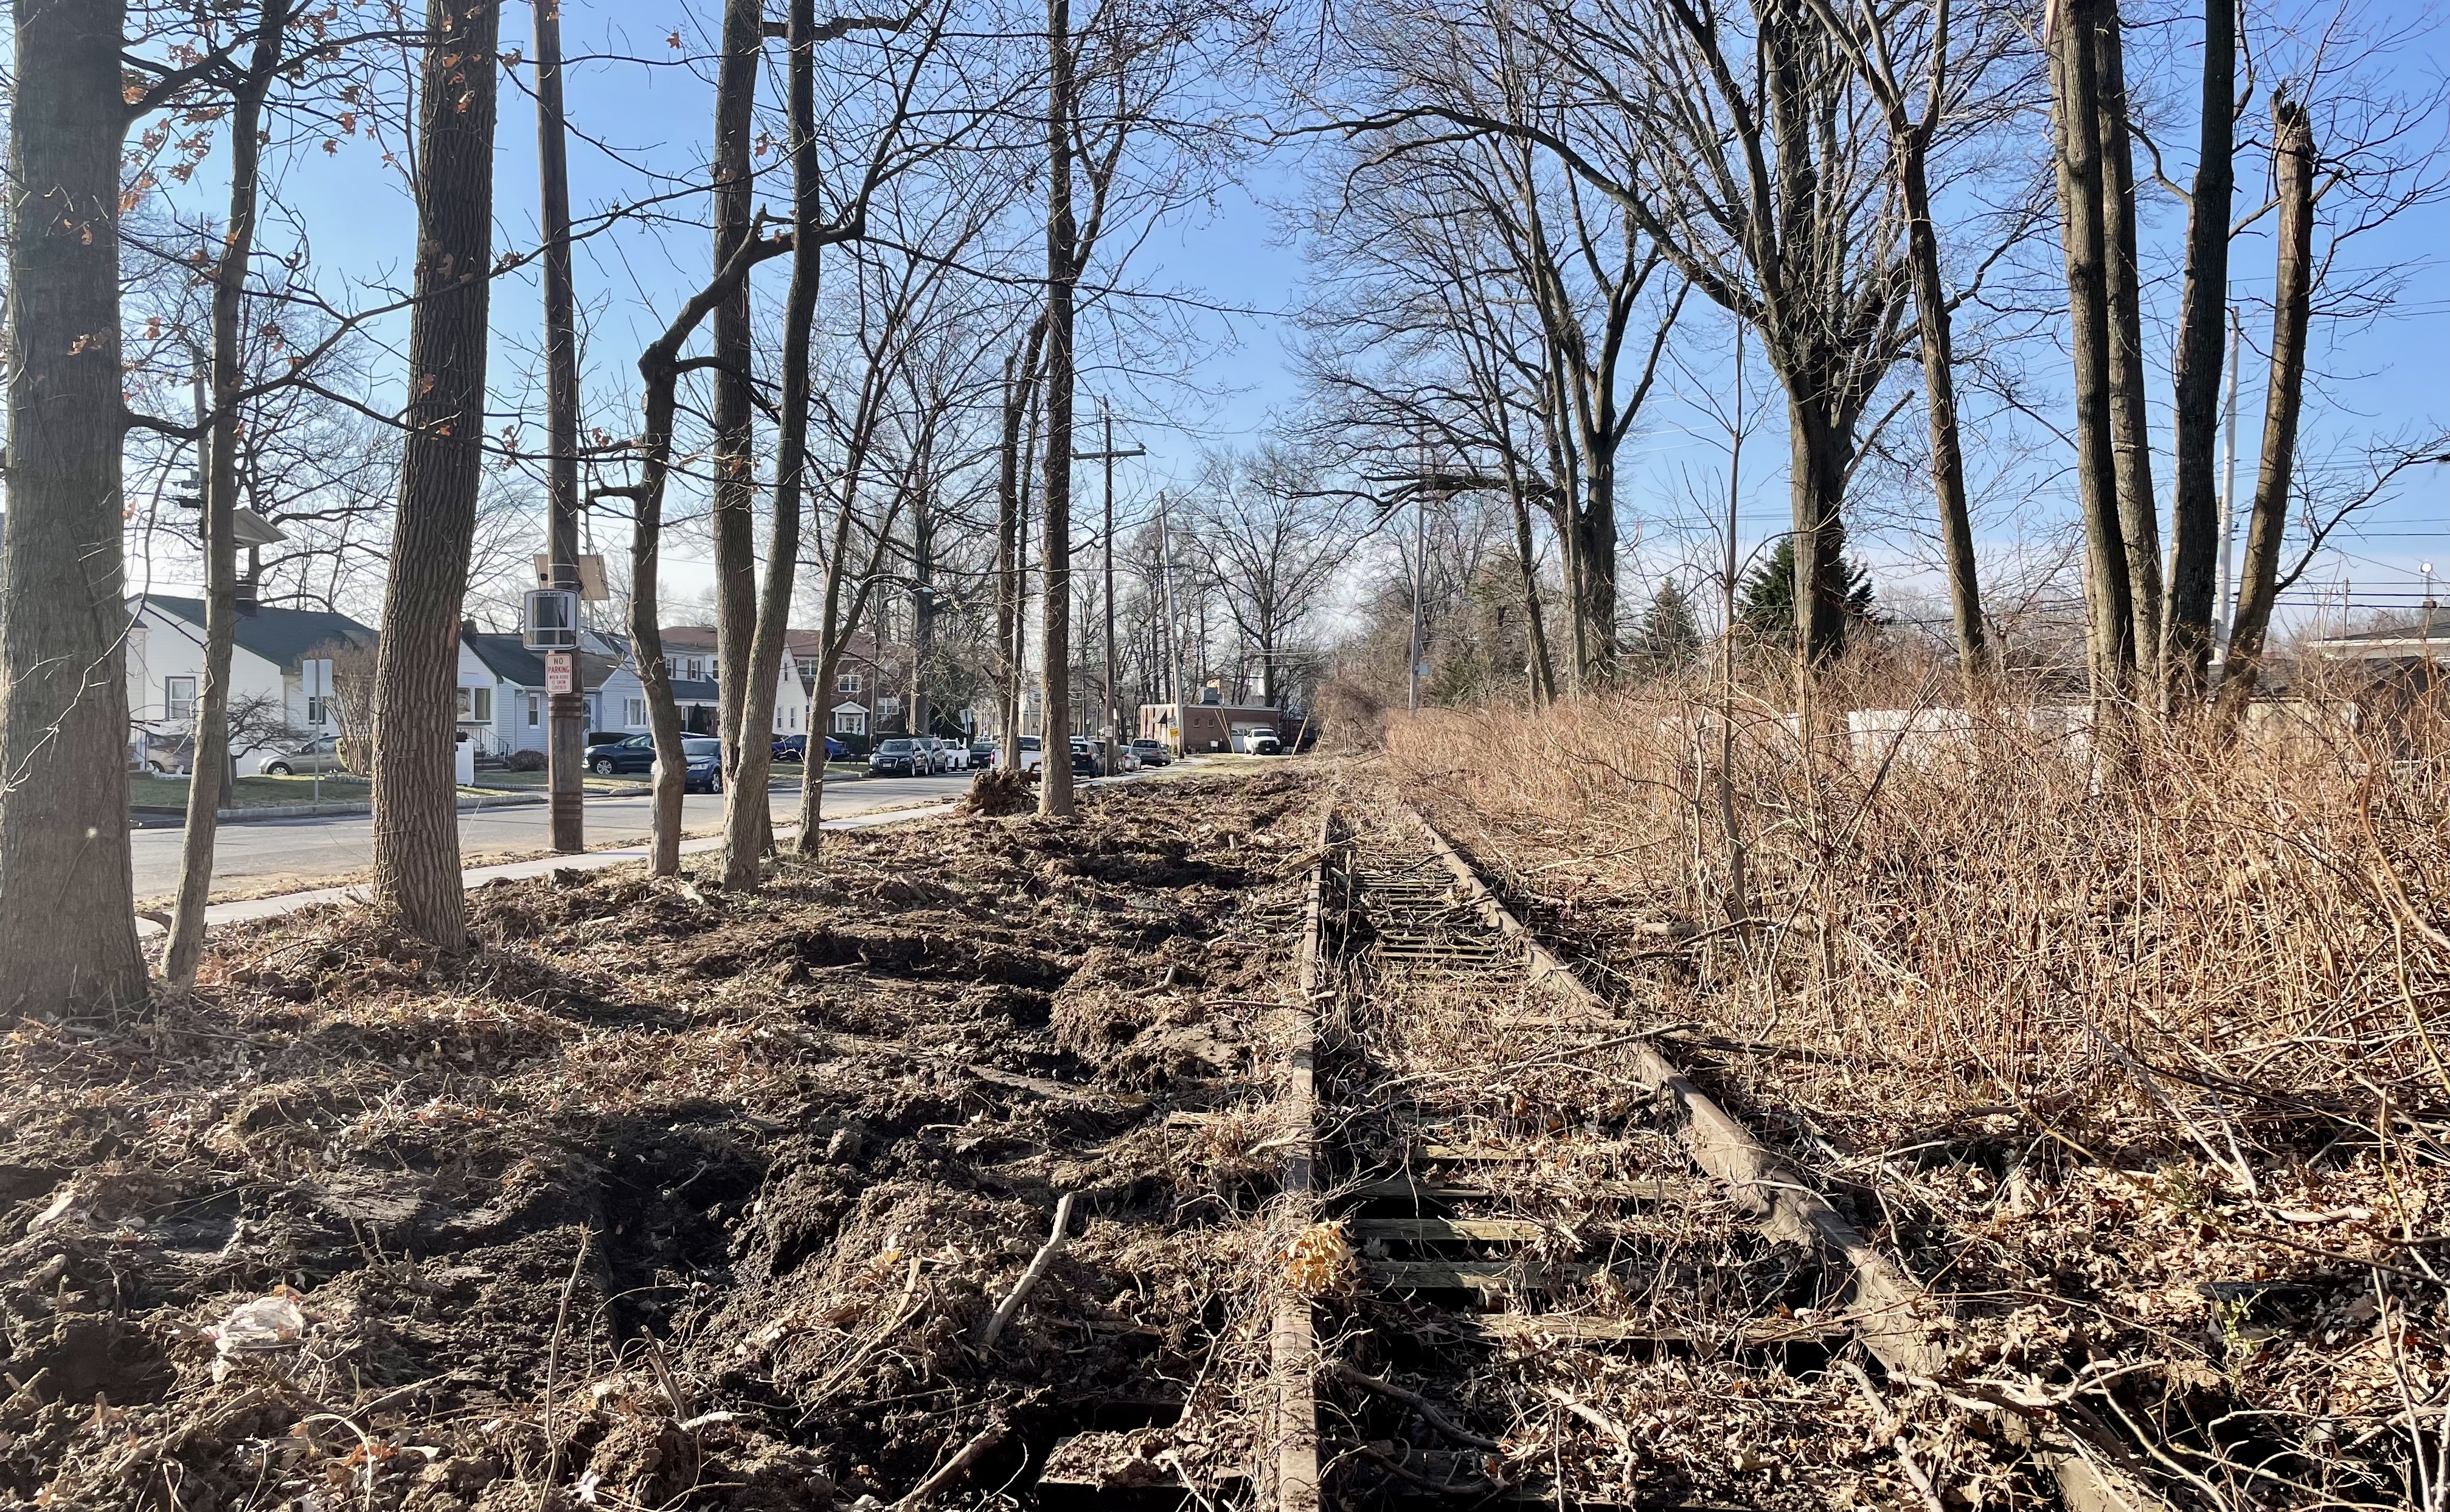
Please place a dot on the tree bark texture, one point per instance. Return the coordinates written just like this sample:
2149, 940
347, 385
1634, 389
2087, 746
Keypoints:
1940, 390
2195, 500
733, 522
68, 927
208, 773
2293, 292
2130, 425
747, 810
2109, 603
415, 799
1054, 782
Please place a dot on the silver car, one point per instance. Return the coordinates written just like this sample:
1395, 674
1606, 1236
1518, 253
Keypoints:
321, 754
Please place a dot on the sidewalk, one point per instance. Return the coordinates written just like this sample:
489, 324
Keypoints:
254, 908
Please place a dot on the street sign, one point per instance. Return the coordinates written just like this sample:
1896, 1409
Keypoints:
561, 672
315, 672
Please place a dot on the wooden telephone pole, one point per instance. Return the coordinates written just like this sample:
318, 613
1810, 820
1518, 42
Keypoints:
1114, 718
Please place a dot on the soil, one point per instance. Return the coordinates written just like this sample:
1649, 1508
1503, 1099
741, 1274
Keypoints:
665, 1195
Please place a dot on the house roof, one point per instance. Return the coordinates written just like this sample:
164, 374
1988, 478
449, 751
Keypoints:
702, 692
806, 644
509, 659
282, 636
2425, 628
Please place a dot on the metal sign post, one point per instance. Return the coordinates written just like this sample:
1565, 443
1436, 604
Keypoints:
316, 674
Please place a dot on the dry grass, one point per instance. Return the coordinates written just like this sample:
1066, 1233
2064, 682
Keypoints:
2097, 1052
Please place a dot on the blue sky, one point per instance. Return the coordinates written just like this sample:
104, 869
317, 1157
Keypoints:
2391, 374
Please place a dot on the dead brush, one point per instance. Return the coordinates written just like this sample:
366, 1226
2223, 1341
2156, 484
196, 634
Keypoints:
2064, 1017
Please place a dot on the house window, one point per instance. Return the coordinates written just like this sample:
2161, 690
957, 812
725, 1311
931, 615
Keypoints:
795, 719
850, 722
633, 713
179, 698
778, 722
319, 710
846, 683
694, 669
890, 704
535, 710
475, 705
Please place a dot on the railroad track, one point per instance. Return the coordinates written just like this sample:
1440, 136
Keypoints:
1498, 1185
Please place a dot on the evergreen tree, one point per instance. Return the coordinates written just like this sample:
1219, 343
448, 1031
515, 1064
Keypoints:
1669, 634
1766, 600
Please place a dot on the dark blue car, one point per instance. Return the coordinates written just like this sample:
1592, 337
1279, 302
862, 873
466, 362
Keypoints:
795, 749
703, 754
633, 753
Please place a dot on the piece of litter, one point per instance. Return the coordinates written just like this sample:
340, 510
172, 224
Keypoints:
266, 1323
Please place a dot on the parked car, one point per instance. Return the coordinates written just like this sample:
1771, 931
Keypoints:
906, 758
1033, 753
631, 753
319, 755
983, 753
703, 772
957, 755
1151, 752
1084, 761
1266, 744
836, 750
790, 748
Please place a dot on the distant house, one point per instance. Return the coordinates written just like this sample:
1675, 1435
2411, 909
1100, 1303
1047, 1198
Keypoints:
270, 648
504, 706
856, 703
697, 677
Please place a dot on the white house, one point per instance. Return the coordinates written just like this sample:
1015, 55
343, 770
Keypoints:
504, 706
270, 646
697, 672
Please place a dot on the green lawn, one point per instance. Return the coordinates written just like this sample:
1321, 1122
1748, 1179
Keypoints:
252, 792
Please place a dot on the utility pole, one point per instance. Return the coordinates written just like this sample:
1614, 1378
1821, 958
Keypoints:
1173, 625
567, 706
1114, 718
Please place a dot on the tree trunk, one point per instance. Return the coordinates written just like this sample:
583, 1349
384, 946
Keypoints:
209, 771
747, 810
68, 927
565, 728
733, 520
1939, 387
2130, 425
1054, 782
1526, 561
417, 814
1596, 555
2194, 506
2293, 168
1821, 447
2109, 603
1007, 540
923, 609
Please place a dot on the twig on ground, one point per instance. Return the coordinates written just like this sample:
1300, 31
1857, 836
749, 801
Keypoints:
1038, 1267
987, 1438
1428, 1410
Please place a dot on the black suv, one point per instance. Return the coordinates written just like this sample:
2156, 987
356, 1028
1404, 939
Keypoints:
907, 757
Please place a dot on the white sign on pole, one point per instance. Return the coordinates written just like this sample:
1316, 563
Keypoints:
561, 672
316, 674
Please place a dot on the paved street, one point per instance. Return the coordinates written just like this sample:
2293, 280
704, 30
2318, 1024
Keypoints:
310, 849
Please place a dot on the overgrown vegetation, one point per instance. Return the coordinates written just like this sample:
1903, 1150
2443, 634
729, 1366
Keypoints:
2147, 1073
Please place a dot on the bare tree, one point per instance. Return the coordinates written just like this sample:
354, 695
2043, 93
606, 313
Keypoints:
68, 927
2195, 503
207, 787
416, 821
